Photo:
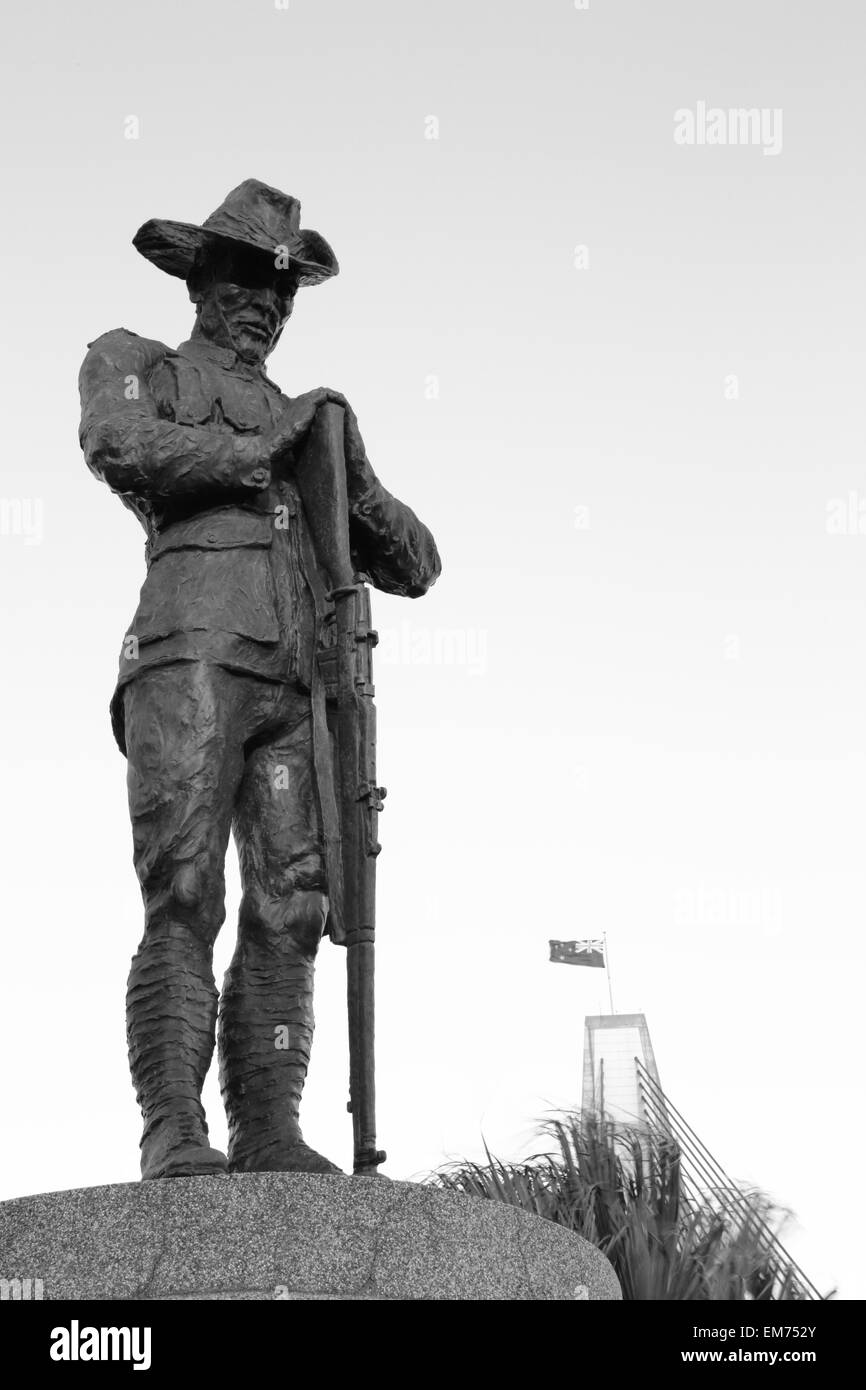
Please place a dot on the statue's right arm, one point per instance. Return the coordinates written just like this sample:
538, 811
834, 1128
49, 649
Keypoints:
133, 449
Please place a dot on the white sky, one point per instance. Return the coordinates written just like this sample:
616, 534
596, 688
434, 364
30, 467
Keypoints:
657, 726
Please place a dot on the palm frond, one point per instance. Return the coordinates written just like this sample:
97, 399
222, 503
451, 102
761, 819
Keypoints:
623, 1190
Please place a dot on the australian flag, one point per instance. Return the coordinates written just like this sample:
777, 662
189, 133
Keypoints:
577, 953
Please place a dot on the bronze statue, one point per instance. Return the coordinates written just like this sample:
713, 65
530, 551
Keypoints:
243, 699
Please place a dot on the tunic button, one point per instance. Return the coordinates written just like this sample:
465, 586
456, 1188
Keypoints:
210, 538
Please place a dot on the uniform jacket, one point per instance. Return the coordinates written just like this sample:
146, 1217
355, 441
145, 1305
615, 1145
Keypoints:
232, 574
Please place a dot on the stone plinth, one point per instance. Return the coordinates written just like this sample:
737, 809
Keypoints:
291, 1236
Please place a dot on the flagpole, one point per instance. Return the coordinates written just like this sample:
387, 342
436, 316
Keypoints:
607, 971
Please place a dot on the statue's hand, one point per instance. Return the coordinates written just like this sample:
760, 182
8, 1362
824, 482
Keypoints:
356, 454
296, 419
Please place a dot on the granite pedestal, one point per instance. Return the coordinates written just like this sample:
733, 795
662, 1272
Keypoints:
289, 1236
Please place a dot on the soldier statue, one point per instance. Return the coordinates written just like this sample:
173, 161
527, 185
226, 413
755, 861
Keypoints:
221, 707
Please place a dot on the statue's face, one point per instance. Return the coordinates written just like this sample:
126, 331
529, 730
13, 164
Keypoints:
244, 303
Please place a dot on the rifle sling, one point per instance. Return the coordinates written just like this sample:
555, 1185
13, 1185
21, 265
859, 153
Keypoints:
323, 754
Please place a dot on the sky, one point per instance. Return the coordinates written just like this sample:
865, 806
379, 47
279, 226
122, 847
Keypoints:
614, 359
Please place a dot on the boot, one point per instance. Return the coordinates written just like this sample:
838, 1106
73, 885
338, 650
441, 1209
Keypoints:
171, 1006
265, 1035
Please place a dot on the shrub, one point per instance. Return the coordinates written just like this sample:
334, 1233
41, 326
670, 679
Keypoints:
624, 1190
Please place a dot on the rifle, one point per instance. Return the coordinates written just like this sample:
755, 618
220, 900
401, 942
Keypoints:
345, 668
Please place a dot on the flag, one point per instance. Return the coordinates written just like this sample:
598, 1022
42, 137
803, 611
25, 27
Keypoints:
578, 953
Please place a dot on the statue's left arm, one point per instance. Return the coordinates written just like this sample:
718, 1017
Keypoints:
388, 541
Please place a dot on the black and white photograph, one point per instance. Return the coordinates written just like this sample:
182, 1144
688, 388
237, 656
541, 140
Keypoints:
433, 549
